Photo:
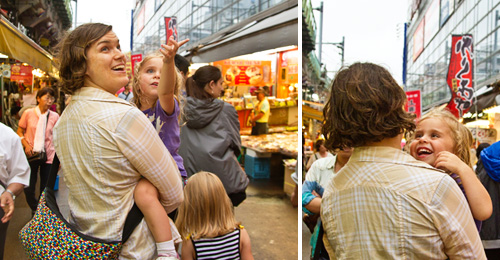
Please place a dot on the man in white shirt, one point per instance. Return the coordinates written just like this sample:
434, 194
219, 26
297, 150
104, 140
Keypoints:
14, 177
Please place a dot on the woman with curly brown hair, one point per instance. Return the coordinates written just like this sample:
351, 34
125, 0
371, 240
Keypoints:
106, 145
384, 204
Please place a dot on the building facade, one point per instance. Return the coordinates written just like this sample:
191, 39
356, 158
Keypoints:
428, 50
212, 26
432, 23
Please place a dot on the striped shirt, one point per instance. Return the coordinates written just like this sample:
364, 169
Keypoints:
221, 247
384, 204
105, 144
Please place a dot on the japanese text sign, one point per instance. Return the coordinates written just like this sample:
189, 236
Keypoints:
460, 76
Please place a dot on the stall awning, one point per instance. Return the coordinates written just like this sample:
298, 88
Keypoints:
16, 45
277, 30
310, 112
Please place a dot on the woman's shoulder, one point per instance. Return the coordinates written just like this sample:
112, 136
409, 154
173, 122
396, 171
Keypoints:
228, 108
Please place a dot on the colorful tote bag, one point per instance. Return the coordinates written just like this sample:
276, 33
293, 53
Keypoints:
49, 236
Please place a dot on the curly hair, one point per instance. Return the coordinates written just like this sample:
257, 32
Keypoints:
365, 105
461, 135
71, 54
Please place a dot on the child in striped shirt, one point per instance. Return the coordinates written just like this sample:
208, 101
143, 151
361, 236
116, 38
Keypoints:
206, 222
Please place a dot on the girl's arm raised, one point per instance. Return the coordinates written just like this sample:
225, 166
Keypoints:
477, 196
168, 76
246, 248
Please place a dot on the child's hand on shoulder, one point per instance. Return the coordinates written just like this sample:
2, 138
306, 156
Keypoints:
450, 163
170, 49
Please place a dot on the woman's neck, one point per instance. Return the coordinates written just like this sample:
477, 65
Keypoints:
323, 154
42, 109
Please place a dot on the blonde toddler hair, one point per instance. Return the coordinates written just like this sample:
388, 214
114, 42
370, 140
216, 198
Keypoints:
206, 210
136, 88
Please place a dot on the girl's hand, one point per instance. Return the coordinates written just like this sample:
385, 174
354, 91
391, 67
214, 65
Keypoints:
450, 163
170, 49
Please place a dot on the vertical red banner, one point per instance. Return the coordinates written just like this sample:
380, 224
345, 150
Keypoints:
414, 102
171, 27
135, 59
460, 75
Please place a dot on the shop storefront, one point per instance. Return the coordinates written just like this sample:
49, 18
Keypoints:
25, 68
276, 72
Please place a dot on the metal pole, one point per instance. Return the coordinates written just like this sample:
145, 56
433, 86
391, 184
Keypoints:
76, 11
343, 45
320, 32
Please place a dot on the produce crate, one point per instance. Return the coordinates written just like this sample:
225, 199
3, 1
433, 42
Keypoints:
257, 168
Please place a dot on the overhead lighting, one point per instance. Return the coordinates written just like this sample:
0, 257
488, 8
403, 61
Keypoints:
3, 56
492, 110
37, 72
479, 123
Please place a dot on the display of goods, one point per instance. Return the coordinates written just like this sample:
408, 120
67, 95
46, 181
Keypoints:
273, 143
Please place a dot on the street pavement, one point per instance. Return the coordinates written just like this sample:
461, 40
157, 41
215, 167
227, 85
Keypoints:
267, 214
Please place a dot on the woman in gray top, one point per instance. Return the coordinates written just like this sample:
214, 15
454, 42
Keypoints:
210, 137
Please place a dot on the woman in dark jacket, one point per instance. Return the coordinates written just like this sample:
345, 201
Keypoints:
210, 135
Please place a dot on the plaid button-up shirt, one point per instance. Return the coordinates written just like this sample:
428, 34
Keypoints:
105, 144
384, 204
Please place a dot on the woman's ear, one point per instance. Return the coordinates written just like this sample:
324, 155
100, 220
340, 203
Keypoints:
211, 84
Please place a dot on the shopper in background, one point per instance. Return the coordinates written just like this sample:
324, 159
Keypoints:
210, 137
318, 177
106, 145
35, 129
260, 115
383, 194
207, 224
182, 65
127, 93
14, 176
488, 171
321, 152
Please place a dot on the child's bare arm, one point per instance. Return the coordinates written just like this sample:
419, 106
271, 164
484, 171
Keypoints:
168, 76
187, 252
246, 249
146, 198
479, 199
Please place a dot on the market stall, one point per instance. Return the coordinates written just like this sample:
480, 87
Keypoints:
271, 156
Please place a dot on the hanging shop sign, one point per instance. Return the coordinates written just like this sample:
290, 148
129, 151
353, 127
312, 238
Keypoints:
134, 59
484, 135
460, 75
171, 28
414, 102
21, 74
289, 66
245, 72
